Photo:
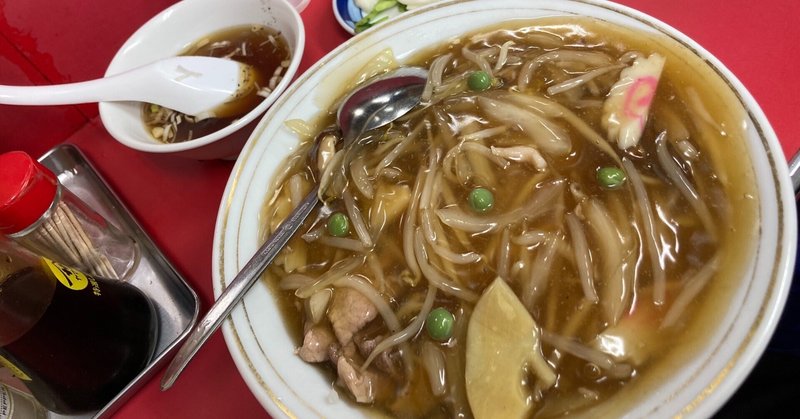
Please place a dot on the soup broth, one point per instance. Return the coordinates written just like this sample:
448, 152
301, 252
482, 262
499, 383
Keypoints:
611, 220
261, 47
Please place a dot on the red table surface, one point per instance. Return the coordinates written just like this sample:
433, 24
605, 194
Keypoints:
176, 200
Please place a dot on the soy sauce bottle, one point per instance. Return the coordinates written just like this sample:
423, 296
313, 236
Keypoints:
75, 340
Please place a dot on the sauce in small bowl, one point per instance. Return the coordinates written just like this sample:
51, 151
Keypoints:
263, 48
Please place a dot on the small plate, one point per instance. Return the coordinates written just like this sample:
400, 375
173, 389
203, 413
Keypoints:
347, 14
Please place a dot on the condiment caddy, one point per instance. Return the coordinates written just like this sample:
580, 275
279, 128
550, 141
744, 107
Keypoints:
176, 304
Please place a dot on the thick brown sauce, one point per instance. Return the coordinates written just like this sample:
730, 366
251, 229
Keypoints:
722, 175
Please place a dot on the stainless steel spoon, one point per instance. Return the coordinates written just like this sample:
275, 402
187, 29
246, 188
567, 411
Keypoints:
379, 102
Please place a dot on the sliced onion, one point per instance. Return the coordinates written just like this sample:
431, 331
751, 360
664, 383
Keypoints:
545, 133
397, 151
686, 189
616, 293
377, 272
435, 76
693, 287
357, 219
453, 257
503, 56
526, 154
648, 221
554, 109
408, 332
583, 257
296, 189
485, 133
339, 269
485, 152
343, 243
360, 176
427, 188
504, 255
326, 178
314, 234
538, 205
478, 60
577, 349
436, 278
581, 80
409, 224
590, 59
433, 360
295, 281
540, 270
426, 222
529, 238
318, 304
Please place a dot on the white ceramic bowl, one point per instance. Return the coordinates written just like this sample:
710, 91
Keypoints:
172, 31
262, 347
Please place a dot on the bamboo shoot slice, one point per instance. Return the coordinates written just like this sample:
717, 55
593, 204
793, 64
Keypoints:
503, 345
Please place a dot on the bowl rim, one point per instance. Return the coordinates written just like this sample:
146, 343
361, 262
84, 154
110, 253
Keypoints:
121, 135
774, 298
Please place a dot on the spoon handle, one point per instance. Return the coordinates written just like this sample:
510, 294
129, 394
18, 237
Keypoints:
241, 283
190, 85
794, 172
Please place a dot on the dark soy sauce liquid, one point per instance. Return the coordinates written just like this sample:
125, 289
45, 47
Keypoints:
79, 349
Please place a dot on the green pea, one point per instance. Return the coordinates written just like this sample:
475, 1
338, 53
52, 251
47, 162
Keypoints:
611, 177
440, 324
481, 200
338, 224
479, 81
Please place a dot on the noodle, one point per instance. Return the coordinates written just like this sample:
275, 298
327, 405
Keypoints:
611, 252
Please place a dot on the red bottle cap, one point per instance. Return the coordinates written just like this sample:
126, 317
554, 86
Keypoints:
27, 190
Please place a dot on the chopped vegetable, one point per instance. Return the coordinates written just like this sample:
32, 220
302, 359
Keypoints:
479, 81
338, 224
388, 205
503, 346
481, 200
440, 324
611, 177
634, 338
378, 14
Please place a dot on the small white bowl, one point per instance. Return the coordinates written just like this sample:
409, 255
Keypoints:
171, 32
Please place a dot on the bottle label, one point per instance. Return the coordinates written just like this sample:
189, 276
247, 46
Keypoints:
14, 370
70, 278
6, 403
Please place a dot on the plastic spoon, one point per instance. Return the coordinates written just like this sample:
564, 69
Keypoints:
198, 86
374, 105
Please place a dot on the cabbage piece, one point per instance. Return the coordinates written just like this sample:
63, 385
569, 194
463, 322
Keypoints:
503, 345
626, 109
